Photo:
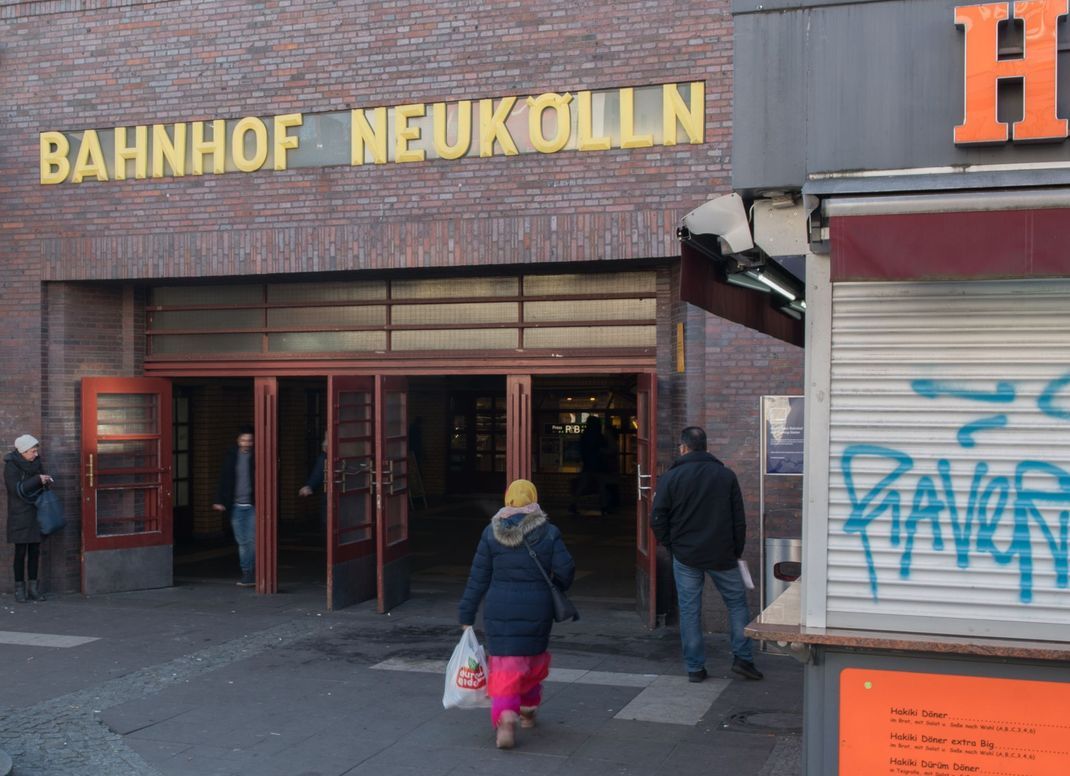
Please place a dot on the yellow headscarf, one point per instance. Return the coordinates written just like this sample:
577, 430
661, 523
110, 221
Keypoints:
521, 493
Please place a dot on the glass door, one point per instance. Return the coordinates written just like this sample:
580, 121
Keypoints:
477, 441
126, 484
351, 568
392, 491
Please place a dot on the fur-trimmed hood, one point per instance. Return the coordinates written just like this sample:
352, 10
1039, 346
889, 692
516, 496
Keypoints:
511, 524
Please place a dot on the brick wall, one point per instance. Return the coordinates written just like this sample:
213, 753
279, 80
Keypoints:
125, 63
728, 368
72, 65
89, 331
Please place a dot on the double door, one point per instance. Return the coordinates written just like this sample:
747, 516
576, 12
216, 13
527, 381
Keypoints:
367, 477
127, 498
126, 485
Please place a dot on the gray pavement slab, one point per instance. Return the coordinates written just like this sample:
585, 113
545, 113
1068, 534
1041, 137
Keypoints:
210, 679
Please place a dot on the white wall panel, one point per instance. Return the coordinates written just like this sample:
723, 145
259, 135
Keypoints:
949, 458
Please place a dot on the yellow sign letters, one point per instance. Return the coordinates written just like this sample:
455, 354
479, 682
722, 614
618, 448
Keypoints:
626, 118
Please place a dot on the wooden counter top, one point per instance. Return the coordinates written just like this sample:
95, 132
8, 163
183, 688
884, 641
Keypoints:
780, 623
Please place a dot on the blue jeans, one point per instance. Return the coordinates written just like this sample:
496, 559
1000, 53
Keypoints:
689, 582
243, 522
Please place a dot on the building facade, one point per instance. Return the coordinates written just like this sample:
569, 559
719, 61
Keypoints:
423, 231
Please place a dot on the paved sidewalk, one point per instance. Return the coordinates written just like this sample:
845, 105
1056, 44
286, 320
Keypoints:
211, 679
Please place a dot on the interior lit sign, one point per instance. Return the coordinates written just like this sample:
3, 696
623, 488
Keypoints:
563, 428
898, 723
630, 117
1037, 68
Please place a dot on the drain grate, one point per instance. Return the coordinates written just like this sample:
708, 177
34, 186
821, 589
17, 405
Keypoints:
766, 721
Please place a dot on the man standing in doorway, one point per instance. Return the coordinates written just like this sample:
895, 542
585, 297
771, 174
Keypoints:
237, 481
698, 517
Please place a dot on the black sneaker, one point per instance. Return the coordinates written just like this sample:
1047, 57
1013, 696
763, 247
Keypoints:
247, 580
746, 669
697, 676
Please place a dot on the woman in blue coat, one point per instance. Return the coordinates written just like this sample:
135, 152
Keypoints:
518, 611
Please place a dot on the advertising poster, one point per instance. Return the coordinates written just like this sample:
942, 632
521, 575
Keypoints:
896, 723
783, 419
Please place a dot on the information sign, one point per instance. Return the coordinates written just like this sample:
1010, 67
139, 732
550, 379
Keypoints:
897, 723
783, 428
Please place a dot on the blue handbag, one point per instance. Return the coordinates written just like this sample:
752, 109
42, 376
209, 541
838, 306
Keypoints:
49, 512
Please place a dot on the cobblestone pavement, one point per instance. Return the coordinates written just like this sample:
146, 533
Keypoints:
64, 736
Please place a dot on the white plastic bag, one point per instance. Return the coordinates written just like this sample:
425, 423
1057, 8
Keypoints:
466, 675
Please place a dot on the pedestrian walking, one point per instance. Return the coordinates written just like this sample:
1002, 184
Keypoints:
594, 459
698, 517
25, 478
518, 611
234, 495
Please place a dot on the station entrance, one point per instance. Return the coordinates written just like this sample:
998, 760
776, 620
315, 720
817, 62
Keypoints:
413, 468
431, 392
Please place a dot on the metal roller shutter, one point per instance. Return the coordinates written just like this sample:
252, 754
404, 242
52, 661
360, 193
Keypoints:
949, 487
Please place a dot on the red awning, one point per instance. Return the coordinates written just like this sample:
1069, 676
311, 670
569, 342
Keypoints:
702, 284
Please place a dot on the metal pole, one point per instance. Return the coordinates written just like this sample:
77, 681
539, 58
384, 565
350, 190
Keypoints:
761, 505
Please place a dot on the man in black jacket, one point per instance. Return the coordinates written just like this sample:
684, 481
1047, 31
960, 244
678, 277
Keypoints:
237, 484
698, 517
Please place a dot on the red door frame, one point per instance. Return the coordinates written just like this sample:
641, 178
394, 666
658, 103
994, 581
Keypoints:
646, 443
266, 373
391, 495
91, 472
266, 441
348, 474
92, 387
517, 428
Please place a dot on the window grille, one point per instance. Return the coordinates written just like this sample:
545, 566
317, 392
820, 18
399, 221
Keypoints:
589, 311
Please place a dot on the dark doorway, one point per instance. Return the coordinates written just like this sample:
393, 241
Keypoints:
207, 414
461, 421
302, 494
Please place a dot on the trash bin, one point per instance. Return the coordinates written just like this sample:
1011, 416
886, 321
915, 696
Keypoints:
778, 550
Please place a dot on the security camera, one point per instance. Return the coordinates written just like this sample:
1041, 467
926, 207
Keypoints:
725, 218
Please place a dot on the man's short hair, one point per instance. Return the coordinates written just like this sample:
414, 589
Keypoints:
694, 439
245, 428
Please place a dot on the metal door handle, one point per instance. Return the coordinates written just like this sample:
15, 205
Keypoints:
639, 476
386, 478
344, 471
89, 470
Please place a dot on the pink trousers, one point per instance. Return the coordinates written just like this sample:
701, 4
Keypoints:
514, 682
500, 703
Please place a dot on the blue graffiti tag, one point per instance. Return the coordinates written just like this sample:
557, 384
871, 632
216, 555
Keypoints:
935, 506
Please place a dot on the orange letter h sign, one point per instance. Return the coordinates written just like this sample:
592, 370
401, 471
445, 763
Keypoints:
1037, 68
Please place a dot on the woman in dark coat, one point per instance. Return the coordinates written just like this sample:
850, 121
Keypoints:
518, 611
25, 478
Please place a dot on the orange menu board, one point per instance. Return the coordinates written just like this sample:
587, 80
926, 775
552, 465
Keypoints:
897, 723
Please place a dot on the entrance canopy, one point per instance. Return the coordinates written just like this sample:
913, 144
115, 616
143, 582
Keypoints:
726, 272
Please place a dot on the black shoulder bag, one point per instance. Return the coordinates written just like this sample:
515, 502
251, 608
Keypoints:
49, 509
563, 608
